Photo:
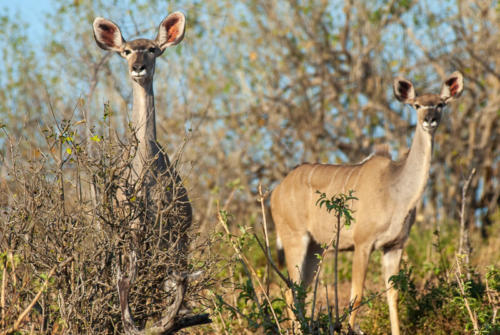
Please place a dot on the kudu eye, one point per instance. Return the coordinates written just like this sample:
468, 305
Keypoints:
440, 105
417, 106
152, 50
127, 52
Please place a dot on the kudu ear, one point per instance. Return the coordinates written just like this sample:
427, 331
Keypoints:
452, 87
403, 90
171, 30
107, 35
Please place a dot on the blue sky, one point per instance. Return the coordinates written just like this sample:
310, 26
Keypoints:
31, 11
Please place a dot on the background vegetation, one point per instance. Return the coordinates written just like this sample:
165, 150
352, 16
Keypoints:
255, 88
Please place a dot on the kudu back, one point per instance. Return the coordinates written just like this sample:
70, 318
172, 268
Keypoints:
387, 191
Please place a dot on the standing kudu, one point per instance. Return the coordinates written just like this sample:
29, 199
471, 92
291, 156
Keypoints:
150, 166
153, 177
387, 192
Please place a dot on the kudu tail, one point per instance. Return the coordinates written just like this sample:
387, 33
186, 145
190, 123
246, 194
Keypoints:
280, 252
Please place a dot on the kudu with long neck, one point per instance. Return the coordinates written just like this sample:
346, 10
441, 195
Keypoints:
387, 193
150, 165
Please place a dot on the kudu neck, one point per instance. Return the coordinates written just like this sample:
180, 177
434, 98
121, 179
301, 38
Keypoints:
414, 172
143, 121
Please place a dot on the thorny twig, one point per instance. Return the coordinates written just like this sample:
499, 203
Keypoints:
472, 314
28, 309
170, 322
250, 267
464, 246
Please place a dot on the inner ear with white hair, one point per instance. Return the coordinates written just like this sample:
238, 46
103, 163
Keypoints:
403, 90
171, 30
452, 87
107, 34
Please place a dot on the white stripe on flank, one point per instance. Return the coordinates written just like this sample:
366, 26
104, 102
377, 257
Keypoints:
333, 178
357, 179
310, 175
348, 177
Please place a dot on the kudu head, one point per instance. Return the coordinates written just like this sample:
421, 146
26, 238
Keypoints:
429, 106
140, 53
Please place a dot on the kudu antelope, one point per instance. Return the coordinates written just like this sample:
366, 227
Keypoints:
150, 165
152, 176
387, 193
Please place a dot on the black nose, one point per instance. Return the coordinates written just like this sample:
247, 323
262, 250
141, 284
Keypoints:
138, 67
431, 117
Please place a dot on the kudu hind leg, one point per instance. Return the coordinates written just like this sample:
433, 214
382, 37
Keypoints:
295, 255
390, 262
311, 262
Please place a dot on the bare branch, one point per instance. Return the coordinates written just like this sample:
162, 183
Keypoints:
170, 322
461, 285
464, 246
28, 309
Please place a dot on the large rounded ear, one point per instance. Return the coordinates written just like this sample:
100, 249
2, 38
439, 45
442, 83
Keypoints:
107, 35
403, 90
452, 86
171, 30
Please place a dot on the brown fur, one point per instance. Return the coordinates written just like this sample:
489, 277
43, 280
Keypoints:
387, 193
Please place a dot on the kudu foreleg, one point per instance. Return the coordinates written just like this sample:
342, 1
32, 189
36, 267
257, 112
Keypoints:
390, 262
359, 266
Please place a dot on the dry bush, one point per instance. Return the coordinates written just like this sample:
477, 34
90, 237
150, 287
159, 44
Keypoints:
50, 222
